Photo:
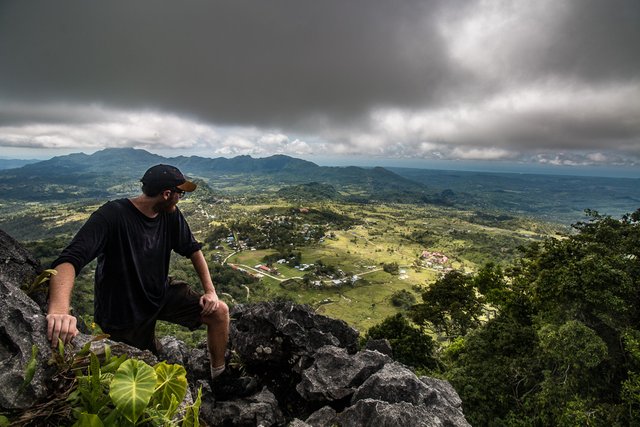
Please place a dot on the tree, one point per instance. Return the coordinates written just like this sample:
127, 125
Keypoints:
391, 267
403, 299
410, 345
450, 305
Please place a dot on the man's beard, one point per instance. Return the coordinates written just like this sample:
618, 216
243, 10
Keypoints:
167, 206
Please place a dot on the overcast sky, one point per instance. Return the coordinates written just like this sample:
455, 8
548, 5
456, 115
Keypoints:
541, 82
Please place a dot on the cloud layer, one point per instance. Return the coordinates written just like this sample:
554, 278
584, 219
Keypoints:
541, 81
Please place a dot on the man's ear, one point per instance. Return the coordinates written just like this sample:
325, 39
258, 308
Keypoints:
166, 194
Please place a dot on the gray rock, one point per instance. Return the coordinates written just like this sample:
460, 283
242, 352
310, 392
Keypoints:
394, 383
22, 326
19, 267
298, 423
381, 345
173, 350
335, 374
116, 348
323, 417
397, 384
197, 363
279, 333
444, 389
376, 413
260, 409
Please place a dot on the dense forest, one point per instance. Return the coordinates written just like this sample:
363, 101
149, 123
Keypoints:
552, 339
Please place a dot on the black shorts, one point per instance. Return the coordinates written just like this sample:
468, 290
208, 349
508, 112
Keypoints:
181, 306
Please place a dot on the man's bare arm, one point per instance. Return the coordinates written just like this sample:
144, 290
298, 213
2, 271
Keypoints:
60, 324
209, 300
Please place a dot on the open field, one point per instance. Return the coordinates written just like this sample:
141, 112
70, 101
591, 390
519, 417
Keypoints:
382, 235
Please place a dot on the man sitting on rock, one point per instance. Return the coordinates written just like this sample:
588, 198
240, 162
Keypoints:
133, 239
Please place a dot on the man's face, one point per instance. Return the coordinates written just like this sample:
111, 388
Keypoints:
170, 199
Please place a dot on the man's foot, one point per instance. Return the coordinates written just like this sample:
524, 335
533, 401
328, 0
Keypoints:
216, 372
227, 386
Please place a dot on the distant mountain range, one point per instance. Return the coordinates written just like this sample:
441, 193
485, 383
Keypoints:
14, 163
116, 171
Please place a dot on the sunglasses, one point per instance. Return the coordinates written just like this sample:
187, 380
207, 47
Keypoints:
180, 193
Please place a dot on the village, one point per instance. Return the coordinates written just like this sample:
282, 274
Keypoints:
323, 276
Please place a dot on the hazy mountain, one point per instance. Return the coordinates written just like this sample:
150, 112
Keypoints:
117, 171
14, 163
559, 198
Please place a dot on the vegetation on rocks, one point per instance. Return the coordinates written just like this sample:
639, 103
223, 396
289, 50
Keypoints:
107, 390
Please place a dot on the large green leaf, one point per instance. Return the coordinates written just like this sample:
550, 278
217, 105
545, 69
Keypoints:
132, 388
172, 381
88, 420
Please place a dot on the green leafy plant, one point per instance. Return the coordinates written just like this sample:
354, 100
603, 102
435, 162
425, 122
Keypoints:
191, 414
123, 391
94, 390
38, 283
30, 369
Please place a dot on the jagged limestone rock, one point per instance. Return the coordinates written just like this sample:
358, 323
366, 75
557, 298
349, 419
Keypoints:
261, 409
279, 333
298, 423
377, 413
17, 266
396, 384
380, 345
323, 417
445, 391
336, 374
173, 350
22, 326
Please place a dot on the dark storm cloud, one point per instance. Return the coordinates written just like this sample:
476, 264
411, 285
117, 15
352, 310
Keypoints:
431, 78
236, 61
596, 41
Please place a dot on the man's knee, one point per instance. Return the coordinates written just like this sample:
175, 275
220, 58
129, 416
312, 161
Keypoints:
219, 316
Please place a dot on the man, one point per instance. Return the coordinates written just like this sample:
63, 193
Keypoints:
133, 239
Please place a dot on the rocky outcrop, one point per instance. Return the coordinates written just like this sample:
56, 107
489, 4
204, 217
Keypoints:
287, 365
260, 409
22, 329
279, 334
335, 374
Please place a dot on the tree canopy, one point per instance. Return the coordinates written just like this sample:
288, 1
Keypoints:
554, 338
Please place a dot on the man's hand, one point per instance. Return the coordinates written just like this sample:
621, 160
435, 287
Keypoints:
209, 302
61, 326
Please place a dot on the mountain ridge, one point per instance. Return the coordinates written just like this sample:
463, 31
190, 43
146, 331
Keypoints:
115, 171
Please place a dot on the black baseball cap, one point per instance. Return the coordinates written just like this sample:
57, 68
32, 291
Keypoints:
162, 177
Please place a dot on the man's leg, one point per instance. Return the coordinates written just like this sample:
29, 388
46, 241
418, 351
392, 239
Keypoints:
217, 336
182, 306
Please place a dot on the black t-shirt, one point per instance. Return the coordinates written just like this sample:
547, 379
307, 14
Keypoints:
133, 254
